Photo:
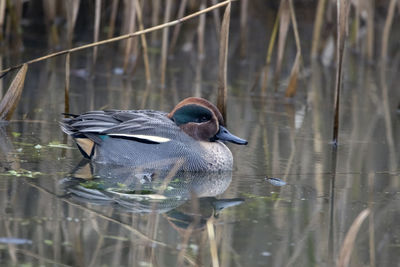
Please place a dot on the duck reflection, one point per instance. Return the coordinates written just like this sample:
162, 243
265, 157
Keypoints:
184, 197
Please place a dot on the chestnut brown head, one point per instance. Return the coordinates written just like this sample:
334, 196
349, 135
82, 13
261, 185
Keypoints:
202, 120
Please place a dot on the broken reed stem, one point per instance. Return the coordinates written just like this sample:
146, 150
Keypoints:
223, 62
144, 42
13, 94
119, 38
67, 82
342, 11
317, 28
269, 52
96, 28
164, 46
386, 28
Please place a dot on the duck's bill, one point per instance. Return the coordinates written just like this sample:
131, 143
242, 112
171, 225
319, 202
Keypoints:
224, 135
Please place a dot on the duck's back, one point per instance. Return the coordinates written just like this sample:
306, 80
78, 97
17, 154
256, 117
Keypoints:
143, 138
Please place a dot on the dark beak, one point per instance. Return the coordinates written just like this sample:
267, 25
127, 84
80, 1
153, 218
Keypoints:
224, 135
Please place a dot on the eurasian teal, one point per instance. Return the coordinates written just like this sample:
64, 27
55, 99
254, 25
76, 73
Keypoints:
190, 137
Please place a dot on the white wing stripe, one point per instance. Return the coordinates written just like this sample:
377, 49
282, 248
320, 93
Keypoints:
151, 138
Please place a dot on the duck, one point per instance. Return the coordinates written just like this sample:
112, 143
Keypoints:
189, 138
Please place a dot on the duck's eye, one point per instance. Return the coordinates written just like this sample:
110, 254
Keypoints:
203, 119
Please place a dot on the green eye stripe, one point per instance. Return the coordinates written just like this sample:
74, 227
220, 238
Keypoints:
191, 113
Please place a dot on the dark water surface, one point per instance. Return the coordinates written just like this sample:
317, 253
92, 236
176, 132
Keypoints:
238, 218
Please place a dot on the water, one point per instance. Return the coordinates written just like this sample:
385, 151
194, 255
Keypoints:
248, 220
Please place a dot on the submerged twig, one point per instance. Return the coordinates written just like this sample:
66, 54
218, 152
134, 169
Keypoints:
119, 38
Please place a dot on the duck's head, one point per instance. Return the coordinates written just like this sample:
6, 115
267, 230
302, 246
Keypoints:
202, 120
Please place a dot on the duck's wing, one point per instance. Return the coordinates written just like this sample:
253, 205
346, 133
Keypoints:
145, 126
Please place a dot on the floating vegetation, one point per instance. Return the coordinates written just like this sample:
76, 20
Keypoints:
57, 144
21, 173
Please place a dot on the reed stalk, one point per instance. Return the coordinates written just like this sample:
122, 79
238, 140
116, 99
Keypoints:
130, 5
67, 84
201, 28
113, 17
164, 46
317, 28
348, 243
269, 52
72, 7
292, 86
342, 14
223, 62
386, 29
217, 18
283, 30
154, 16
178, 27
143, 41
213, 243
119, 38
244, 4
370, 29
96, 28
2, 17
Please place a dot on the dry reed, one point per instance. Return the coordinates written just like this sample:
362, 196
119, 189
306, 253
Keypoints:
292, 86
283, 30
96, 28
67, 83
144, 42
269, 52
223, 62
13, 95
348, 243
342, 15
317, 28
164, 46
